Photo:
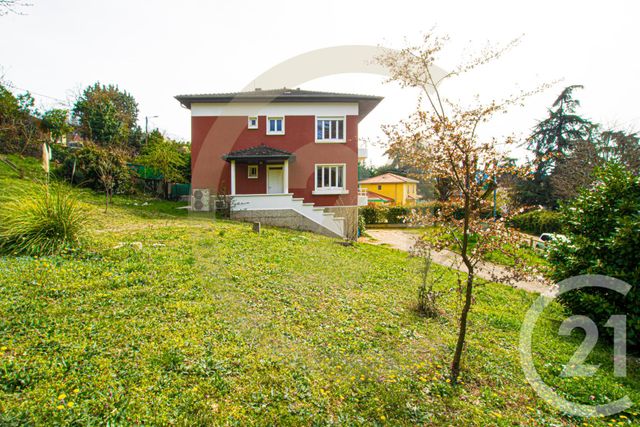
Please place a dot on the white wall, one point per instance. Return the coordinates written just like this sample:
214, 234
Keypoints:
275, 109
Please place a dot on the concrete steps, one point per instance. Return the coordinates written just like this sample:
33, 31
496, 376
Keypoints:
277, 209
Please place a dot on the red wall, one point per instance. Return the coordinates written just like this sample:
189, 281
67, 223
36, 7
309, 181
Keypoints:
245, 185
213, 137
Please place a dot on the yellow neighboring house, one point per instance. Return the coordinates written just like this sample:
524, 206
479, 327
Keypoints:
391, 188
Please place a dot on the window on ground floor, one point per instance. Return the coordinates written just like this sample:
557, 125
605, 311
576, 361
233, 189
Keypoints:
330, 178
252, 171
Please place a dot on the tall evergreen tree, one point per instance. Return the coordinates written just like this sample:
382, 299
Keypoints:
551, 140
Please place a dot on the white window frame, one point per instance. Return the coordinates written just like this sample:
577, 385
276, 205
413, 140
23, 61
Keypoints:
249, 119
269, 132
249, 174
329, 190
331, 140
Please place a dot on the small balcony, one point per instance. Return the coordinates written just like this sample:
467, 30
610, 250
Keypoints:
363, 199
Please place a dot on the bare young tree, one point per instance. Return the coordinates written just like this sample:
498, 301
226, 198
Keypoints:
11, 6
106, 174
575, 170
441, 138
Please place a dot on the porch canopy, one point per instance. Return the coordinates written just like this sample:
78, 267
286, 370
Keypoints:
259, 154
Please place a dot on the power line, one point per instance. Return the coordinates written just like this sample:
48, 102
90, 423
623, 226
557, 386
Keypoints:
36, 93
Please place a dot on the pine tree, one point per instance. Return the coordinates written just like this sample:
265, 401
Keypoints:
551, 140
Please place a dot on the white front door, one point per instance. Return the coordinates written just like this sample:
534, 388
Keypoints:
275, 180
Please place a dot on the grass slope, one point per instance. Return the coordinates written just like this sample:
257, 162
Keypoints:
210, 324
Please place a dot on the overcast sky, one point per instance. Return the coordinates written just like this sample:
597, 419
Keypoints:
156, 50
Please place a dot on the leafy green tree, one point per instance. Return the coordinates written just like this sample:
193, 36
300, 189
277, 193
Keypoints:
19, 130
602, 224
56, 122
550, 142
165, 156
107, 116
365, 171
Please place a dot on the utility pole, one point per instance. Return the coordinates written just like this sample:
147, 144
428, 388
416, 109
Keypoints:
146, 128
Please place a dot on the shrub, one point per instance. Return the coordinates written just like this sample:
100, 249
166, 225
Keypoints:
374, 214
42, 221
427, 295
397, 214
82, 167
602, 224
538, 222
362, 224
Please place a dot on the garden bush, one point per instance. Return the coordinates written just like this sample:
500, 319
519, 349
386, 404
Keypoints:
538, 222
374, 214
602, 225
398, 214
82, 167
362, 224
41, 221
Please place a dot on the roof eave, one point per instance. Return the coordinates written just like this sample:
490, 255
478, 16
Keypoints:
365, 103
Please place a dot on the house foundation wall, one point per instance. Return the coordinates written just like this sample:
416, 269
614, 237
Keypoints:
287, 218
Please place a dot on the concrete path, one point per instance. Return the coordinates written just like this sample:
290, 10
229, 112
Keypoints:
404, 240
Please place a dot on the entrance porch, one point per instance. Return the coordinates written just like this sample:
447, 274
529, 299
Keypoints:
259, 170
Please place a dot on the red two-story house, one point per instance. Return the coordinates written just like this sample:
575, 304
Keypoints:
285, 157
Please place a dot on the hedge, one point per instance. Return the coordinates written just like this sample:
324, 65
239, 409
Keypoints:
376, 214
538, 222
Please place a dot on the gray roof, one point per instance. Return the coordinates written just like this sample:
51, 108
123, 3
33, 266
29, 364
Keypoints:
366, 102
260, 152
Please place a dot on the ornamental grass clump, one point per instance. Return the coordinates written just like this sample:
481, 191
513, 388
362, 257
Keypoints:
41, 221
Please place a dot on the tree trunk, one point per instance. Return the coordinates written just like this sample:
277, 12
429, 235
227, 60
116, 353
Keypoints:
462, 332
457, 356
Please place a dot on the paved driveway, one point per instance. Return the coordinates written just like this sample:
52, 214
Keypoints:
404, 240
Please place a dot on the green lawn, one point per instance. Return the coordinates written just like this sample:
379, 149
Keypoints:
209, 323
503, 256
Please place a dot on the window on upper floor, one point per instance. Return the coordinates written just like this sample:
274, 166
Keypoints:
275, 125
330, 129
253, 122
